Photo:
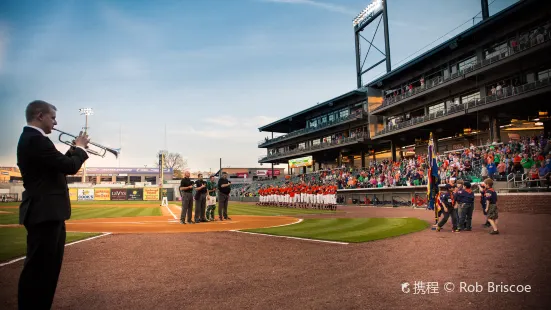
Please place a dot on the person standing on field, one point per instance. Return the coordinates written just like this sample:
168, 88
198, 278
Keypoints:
211, 198
200, 199
186, 188
224, 188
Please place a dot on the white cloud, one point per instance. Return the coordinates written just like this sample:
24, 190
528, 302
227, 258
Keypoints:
327, 6
228, 128
225, 121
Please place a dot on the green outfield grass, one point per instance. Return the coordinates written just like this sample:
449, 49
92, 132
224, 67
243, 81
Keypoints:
92, 209
89, 212
349, 229
13, 241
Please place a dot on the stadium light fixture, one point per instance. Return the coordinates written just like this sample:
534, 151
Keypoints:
86, 111
539, 124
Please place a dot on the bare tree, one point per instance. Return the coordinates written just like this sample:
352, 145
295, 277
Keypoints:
173, 161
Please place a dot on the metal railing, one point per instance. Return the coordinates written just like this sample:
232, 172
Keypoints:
431, 83
505, 92
356, 137
296, 133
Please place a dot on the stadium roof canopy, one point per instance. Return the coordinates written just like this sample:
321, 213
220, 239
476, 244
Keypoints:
285, 125
449, 44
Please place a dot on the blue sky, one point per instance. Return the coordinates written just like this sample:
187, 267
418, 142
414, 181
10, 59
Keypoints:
212, 71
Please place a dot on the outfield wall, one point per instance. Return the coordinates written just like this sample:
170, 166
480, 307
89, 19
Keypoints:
120, 194
416, 196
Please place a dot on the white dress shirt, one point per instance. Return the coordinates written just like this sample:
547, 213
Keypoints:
44, 134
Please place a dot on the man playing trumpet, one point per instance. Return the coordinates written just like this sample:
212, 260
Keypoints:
45, 205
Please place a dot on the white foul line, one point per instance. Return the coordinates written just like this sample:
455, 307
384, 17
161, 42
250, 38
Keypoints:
299, 220
68, 244
297, 238
168, 207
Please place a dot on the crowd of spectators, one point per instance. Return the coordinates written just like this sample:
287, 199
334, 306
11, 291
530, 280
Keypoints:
528, 155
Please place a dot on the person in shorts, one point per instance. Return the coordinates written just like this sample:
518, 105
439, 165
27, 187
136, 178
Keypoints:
482, 187
491, 205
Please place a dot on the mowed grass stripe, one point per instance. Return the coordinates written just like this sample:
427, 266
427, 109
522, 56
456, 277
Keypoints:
78, 213
14, 241
103, 209
245, 209
348, 230
372, 226
87, 213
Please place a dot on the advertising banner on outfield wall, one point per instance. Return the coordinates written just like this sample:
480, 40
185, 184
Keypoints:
73, 193
151, 193
85, 194
134, 194
118, 194
102, 194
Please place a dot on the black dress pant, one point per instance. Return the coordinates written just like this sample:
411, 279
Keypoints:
200, 207
38, 280
223, 205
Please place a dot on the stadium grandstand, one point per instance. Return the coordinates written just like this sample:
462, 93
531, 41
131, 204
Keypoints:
482, 94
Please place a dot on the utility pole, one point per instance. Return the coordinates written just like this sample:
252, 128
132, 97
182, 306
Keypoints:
85, 112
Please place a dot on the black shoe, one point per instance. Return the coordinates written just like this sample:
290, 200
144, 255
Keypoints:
468, 229
228, 219
182, 222
190, 222
494, 232
221, 219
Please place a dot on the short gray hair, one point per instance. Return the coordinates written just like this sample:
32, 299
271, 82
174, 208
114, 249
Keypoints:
36, 107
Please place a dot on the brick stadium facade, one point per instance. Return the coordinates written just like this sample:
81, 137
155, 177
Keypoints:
522, 203
466, 90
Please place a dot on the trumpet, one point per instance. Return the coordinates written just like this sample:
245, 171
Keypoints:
102, 149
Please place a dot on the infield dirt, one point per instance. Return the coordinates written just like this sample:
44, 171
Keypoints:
230, 270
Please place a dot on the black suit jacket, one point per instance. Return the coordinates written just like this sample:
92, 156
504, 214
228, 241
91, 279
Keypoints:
44, 169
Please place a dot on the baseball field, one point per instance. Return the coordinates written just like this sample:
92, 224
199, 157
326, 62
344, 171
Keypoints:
137, 255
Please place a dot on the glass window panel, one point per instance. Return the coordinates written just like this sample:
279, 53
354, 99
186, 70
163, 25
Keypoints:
544, 74
436, 108
470, 97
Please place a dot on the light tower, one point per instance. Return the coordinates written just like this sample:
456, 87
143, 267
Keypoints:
375, 9
86, 112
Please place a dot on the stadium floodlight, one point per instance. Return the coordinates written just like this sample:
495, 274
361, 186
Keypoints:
86, 111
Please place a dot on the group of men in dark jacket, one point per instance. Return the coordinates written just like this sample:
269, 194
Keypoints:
205, 198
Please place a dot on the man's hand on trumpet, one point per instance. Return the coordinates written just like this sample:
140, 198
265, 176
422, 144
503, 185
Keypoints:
82, 140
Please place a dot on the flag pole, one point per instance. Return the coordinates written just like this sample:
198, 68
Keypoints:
431, 181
